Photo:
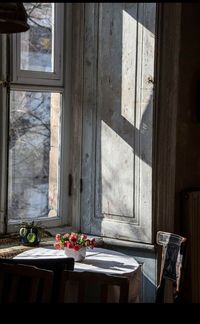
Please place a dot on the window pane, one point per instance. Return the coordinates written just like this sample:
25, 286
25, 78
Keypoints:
38, 42
34, 152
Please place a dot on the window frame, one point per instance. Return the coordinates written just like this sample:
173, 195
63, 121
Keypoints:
3, 134
164, 164
29, 83
54, 78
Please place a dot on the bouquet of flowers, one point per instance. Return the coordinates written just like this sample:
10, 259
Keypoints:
73, 241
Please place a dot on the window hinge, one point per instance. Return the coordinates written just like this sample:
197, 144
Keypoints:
70, 183
81, 185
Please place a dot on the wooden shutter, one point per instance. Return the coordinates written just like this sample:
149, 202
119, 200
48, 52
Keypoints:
117, 120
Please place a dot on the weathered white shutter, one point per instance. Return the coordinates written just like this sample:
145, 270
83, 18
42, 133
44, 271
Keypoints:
117, 120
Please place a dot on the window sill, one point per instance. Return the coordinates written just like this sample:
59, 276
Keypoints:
10, 245
101, 241
108, 242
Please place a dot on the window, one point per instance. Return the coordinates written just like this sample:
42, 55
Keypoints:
36, 120
39, 58
99, 130
34, 154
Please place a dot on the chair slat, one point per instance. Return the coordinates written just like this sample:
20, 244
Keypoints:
104, 293
81, 291
13, 289
2, 276
34, 290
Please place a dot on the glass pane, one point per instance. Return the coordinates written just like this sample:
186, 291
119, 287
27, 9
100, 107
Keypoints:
37, 43
34, 151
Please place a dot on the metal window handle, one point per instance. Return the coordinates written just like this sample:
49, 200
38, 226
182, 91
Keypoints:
150, 80
4, 83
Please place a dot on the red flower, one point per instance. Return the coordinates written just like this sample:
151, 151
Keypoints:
77, 247
87, 242
57, 246
73, 237
70, 245
57, 237
93, 241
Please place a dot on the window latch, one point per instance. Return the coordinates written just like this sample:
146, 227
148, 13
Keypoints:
4, 83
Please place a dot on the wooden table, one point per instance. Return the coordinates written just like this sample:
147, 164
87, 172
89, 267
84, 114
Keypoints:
98, 260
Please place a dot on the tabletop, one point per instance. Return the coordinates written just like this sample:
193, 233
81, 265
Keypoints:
97, 259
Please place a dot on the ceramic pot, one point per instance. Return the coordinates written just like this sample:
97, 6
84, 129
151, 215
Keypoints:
78, 256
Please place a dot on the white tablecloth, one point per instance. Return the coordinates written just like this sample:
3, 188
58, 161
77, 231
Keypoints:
98, 260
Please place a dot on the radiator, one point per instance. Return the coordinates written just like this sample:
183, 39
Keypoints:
191, 229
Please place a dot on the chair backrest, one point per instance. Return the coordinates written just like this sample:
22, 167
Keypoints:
86, 278
173, 252
56, 265
53, 264
25, 284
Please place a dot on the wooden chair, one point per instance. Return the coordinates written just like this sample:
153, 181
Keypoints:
173, 252
53, 264
56, 265
25, 284
85, 279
